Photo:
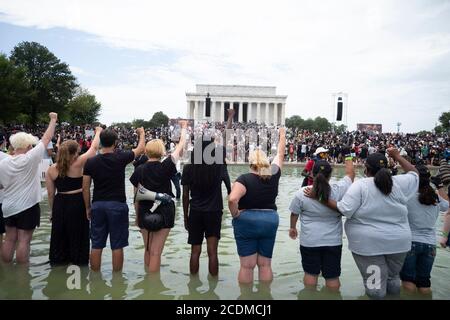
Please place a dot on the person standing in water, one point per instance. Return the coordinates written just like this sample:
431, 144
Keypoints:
69, 241
321, 227
108, 211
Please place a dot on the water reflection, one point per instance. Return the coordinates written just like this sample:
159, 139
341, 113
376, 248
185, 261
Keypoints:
259, 291
152, 287
17, 278
324, 293
196, 293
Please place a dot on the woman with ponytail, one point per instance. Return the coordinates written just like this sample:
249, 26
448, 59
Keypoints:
255, 219
377, 227
69, 242
321, 227
423, 211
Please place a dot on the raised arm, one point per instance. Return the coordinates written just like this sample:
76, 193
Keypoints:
176, 155
141, 144
405, 164
230, 118
93, 149
349, 167
48, 135
279, 158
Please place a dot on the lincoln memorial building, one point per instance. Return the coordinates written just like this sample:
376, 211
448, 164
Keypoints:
252, 103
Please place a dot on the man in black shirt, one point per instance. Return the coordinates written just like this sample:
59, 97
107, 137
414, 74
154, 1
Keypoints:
109, 212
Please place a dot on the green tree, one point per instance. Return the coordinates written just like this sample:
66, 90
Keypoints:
321, 124
444, 119
83, 108
159, 119
51, 81
14, 90
294, 122
137, 123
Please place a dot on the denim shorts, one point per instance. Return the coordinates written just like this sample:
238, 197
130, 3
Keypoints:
418, 264
109, 218
255, 232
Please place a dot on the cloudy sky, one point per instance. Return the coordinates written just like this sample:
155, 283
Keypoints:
139, 57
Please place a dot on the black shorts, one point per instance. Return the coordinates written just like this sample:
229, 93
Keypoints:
2, 221
203, 225
168, 212
28, 219
322, 259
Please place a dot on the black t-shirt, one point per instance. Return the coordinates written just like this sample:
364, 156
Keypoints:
210, 201
154, 176
108, 173
261, 193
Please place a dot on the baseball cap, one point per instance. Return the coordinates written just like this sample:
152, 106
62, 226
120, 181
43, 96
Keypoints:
377, 161
320, 150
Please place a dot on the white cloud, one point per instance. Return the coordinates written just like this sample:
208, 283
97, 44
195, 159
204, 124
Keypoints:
308, 49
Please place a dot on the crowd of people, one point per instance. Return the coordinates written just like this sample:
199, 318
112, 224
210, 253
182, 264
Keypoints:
390, 214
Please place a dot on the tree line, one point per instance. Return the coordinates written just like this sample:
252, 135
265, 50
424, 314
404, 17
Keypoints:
33, 82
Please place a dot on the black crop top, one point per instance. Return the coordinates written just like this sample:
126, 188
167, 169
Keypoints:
67, 184
261, 193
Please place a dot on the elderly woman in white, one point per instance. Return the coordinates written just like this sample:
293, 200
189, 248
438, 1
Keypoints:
22, 191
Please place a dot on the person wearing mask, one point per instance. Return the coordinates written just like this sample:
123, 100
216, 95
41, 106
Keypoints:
108, 212
69, 241
255, 219
377, 227
423, 211
321, 227
155, 175
202, 201
22, 191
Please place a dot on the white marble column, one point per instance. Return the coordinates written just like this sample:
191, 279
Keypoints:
266, 120
258, 112
240, 111
283, 117
188, 113
197, 111
213, 111
249, 111
275, 113
222, 110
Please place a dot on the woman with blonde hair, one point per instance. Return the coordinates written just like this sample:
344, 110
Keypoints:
69, 242
155, 175
255, 217
22, 191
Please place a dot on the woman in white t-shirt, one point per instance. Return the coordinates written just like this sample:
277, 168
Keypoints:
321, 227
377, 227
423, 211
22, 191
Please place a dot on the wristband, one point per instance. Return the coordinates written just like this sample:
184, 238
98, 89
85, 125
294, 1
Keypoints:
349, 158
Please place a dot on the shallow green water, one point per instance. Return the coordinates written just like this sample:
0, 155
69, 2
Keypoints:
40, 281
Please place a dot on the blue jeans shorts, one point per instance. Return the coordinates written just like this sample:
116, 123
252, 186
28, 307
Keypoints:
418, 264
109, 218
255, 232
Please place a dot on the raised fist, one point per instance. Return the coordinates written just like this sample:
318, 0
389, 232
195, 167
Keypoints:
53, 116
183, 124
231, 113
140, 130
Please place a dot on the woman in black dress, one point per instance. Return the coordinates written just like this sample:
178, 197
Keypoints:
69, 242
